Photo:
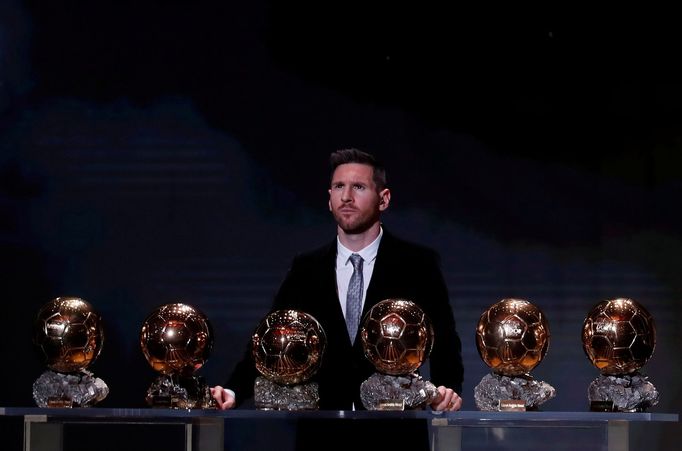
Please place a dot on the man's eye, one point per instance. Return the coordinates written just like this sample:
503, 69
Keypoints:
359, 187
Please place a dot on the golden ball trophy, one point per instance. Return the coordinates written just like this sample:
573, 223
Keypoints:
397, 337
68, 335
176, 339
287, 347
512, 338
619, 337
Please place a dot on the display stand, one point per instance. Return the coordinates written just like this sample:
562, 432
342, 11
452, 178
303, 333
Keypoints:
192, 430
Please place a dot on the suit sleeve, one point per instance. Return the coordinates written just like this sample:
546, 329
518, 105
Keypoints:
244, 374
446, 356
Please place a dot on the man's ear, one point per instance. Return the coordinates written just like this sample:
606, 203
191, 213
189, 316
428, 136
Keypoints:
384, 199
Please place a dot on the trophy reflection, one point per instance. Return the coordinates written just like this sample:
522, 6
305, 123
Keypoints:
512, 338
397, 338
68, 335
619, 337
287, 347
176, 340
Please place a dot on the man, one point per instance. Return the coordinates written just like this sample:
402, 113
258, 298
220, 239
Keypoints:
318, 283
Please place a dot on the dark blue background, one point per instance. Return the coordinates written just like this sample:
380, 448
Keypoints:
163, 151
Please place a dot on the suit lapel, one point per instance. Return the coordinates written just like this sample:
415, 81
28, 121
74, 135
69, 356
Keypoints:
380, 275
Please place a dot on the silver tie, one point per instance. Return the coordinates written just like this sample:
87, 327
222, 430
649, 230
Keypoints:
354, 297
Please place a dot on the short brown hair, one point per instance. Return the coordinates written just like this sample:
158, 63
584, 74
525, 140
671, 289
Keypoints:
353, 155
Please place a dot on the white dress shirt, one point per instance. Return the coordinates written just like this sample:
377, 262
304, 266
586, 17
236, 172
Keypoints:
344, 268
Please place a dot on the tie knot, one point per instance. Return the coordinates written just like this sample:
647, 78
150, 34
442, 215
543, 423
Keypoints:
356, 260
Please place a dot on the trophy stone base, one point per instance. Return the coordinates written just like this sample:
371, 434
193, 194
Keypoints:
386, 392
511, 393
60, 390
627, 393
269, 395
180, 392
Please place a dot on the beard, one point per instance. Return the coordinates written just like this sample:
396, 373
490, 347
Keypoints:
355, 222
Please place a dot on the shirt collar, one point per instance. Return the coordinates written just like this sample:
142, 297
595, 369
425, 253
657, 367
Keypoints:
368, 254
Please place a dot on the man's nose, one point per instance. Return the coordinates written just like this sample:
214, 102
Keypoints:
347, 194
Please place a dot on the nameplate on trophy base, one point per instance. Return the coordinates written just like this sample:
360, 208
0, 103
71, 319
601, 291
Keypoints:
59, 403
160, 400
512, 405
602, 406
391, 404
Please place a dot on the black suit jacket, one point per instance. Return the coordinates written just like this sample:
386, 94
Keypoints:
401, 270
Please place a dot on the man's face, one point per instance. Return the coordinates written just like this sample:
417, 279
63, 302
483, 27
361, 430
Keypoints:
353, 197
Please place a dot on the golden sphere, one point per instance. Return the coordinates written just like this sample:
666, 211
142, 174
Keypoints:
397, 336
68, 334
512, 336
288, 346
176, 339
619, 336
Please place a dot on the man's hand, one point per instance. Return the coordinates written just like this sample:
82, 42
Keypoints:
446, 400
224, 397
